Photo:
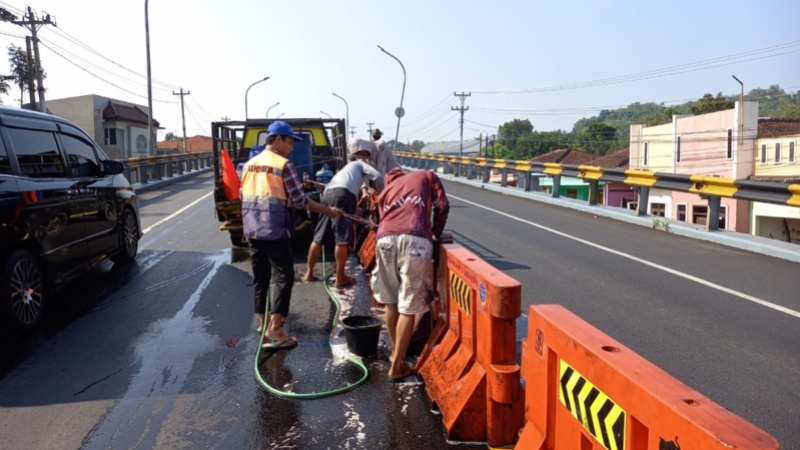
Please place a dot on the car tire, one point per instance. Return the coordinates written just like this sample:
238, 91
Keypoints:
22, 290
128, 238
238, 240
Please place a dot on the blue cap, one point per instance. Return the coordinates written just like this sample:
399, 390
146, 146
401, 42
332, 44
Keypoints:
281, 128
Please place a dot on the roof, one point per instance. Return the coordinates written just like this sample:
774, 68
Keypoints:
768, 128
125, 113
194, 144
451, 147
614, 160
565, 156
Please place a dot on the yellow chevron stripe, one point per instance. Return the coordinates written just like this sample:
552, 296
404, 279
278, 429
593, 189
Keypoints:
719, 187
795, 199
461, 293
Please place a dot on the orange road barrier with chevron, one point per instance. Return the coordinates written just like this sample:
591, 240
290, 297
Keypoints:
587, 391
469, 363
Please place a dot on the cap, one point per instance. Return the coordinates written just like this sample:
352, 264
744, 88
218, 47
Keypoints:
377, 133
281, 128
360, 145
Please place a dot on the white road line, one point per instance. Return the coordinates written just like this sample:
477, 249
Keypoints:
741, 295
175, 214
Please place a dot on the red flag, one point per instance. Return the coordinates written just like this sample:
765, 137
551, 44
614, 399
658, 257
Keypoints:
230, 180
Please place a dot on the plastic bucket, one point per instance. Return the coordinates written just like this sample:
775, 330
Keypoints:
362, 334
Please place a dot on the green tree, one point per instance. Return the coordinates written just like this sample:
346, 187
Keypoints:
599, 137
709, 104
509, 132
417, 145
170, 136
18, 58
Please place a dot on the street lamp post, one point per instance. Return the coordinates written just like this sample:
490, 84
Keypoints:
246, 113
347, 111
329, 116
399, 112
280, 115
268, 109
150, 150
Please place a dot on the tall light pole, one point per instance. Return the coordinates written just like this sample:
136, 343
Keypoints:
280, 115
323, 112
399, 112
347, 111
150, 150
246, 114
741, 109
276, 104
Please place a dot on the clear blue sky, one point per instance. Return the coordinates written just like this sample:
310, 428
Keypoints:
311, 48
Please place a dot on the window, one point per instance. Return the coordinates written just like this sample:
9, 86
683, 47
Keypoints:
681, 215
678, 149
723, 214
5, 163
777, 153
730, 144
791, 151
763, 153
80, 154
644, 155
699, 214
111, 136
658, 209
37, 153
121, 140
572, 193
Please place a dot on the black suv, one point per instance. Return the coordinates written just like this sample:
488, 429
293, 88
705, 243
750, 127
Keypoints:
64, 206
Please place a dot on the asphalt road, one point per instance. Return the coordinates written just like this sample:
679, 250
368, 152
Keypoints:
159, 354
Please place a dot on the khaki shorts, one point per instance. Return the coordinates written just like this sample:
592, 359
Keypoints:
403, 273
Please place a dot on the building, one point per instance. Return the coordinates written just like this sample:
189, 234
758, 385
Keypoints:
570, 187
194, 144
119, 127
615, 193
715, 144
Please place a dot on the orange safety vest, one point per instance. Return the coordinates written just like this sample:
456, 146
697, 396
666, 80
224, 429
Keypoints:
265, 206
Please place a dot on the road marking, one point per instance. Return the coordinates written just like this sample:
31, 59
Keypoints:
718, 287
176, 213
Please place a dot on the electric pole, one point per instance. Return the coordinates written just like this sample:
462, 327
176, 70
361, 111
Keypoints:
352, 130
369, 127
29, 21
31, 84
183, 117
462, 96
226, 118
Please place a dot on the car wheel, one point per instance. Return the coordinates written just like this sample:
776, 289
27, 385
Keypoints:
22, 290
128, 238
238, 240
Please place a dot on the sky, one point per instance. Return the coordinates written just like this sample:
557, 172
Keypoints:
552, 62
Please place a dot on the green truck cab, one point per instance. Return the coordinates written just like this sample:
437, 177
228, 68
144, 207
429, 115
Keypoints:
324, 144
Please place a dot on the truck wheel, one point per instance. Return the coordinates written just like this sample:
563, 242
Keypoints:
238, 240
128, 239
22, 290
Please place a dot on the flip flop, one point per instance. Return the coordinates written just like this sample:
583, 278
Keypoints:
347, 283
274, 344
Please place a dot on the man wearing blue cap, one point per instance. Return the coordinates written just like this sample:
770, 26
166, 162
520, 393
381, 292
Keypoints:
270, 186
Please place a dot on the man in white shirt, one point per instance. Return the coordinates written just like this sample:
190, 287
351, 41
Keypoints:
342, 192
382, 158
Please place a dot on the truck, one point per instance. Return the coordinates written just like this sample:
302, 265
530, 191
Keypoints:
324, 145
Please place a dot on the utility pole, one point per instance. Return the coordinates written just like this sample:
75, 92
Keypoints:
31, 86
183, 117
352, 130
369, 127
462, 96
226, 118
29, 21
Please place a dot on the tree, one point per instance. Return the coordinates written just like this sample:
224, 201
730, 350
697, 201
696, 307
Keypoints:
417, 145
599, 137
170, 136
709, 104
18, 58
509, 132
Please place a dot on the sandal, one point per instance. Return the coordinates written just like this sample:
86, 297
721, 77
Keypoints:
274, 344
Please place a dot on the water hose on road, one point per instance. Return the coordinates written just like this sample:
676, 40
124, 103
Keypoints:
351, 358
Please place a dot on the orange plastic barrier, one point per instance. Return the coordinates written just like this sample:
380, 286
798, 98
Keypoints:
366, 252
230, 181
469, 362
586, 391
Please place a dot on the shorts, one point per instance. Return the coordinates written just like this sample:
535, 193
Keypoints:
403, 273
340, 228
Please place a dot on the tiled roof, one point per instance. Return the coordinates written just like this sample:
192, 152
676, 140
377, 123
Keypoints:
565, 156
768, 128
194, 144
125, 113
615, 160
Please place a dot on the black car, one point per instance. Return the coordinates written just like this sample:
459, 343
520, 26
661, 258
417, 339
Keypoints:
64, 206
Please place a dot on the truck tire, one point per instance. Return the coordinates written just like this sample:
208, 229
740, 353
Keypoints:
238, 240
22, 290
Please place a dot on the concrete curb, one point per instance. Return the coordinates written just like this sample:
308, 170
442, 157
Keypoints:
747, 242
161, 182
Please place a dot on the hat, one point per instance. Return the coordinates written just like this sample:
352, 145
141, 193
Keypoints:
356, 145
281, 128
377, 133
393, 175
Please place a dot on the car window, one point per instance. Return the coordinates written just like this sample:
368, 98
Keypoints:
5, 163
37, 153
80, 154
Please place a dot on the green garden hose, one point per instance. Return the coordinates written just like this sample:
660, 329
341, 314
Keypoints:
312, 395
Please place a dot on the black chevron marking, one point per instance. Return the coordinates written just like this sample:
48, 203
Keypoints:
564, 380
575, 391
619, 430
601, 416
587, 406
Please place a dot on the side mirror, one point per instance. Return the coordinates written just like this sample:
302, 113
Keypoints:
112, 167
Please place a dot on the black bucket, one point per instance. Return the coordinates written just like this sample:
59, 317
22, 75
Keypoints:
362, 334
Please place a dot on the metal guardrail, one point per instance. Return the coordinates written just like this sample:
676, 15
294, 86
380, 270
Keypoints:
710, 187
141, 169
